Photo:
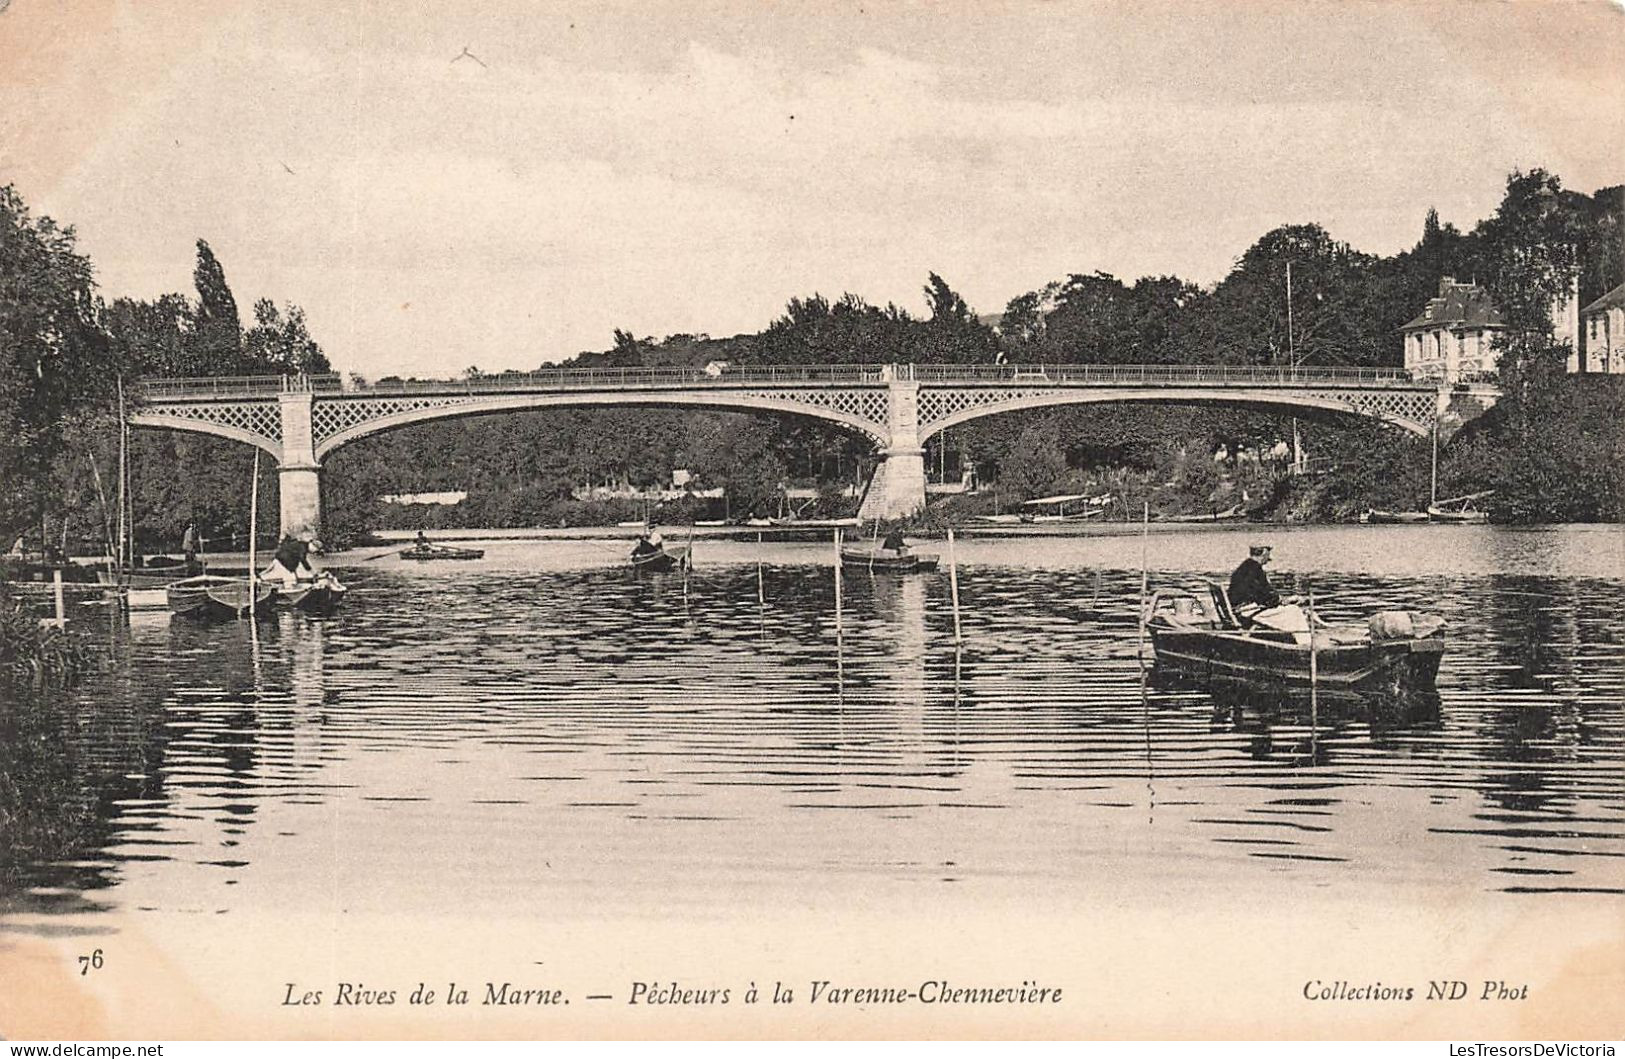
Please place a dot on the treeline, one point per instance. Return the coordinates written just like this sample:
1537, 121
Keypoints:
1550, 452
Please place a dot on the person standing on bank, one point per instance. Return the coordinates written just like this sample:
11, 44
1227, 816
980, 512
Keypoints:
189, 543
1250, 585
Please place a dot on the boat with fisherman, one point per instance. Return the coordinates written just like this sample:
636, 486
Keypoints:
651, 554
300, 585
424, 550
892, 555
1196, 633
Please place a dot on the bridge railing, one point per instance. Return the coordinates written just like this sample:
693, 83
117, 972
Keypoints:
238, 387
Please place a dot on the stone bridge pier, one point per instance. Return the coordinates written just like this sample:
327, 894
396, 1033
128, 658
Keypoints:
300, 473
897, 489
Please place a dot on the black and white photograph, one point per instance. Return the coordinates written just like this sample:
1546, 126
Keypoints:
812, 521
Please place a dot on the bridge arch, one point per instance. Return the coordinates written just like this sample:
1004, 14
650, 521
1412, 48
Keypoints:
1418, 422
331, 415
189, 424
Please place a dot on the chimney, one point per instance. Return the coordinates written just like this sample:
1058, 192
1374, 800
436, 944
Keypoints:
1445, 283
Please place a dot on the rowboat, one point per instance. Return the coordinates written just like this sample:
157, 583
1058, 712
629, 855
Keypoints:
1378, 517
1196, 634
320, 595
888, 562
660, 559
424, 552
210, 596
147, 587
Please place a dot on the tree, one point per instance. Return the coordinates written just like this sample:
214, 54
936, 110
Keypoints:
214, 345
281, 342
52, 354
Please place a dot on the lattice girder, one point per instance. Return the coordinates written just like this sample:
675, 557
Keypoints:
1412, 408
261, 420
863, 408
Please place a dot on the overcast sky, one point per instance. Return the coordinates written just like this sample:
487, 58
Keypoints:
690, 167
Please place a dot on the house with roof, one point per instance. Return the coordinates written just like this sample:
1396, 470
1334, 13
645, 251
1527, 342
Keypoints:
1603, 325
1454, 337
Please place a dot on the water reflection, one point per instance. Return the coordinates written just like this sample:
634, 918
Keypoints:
601, 742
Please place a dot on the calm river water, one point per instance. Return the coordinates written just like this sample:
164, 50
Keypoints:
542, 730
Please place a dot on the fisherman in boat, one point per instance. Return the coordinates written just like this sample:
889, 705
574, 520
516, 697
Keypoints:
894, 543
421, 543
292, 563
649, 544
1250, 586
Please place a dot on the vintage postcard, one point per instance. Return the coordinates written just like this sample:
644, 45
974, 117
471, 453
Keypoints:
812, 520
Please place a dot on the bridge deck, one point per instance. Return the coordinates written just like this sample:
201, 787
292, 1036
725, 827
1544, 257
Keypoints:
840, 375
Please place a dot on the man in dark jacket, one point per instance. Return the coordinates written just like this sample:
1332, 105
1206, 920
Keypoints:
1250, 585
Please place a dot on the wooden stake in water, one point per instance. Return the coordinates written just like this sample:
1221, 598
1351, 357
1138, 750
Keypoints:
953, 582
123, 562
1314, 689
837, 583
253, 532
761, 592
107, 518
61, 607
1145, 544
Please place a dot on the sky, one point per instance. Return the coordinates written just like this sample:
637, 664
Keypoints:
504, 184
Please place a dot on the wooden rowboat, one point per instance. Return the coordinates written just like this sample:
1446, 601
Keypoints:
660, 560
1196, 634
210, 596
888, 562
320, 595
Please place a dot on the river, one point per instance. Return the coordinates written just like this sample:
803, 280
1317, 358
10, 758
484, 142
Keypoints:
563, 729
540, 729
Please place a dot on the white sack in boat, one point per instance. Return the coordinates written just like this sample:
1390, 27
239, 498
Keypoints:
1392, 625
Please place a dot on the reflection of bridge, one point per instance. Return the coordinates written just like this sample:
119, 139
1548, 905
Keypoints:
300, 420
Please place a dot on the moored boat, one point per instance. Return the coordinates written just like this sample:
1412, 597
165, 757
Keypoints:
888, 561
1195, 633
210, 596
1378, 517
1460, 509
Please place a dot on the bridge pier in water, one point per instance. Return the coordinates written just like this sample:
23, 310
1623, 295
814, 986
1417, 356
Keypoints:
300, 475
897, 489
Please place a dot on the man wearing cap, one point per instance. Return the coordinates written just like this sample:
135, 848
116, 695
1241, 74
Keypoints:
1250, 585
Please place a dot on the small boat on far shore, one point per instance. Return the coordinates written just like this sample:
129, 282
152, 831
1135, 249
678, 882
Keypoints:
1377, 517
211, 596
1462, 510
426, 552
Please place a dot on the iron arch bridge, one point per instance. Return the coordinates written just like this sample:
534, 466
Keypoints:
299, 420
